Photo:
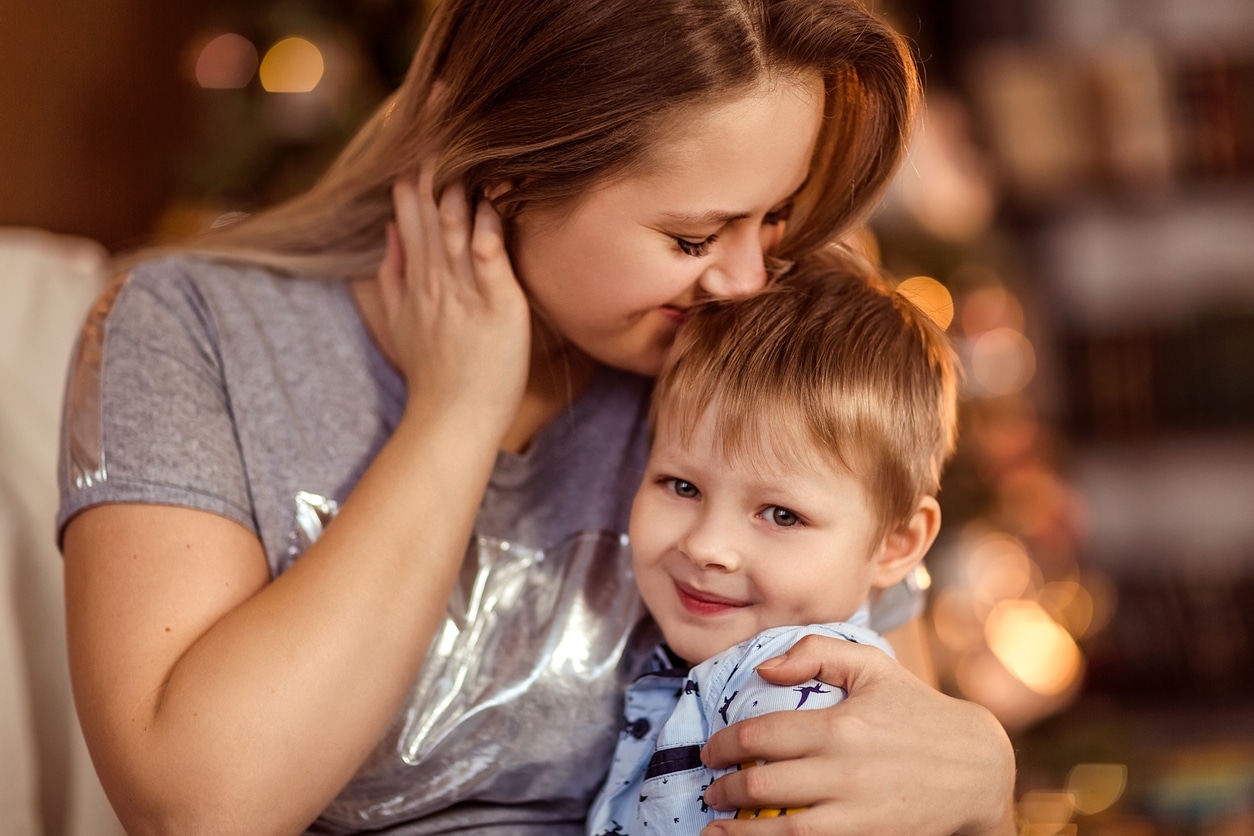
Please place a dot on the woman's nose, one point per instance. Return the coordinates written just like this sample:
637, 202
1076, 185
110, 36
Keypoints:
739, 269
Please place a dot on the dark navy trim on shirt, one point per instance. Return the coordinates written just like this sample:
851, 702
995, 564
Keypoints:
674, 759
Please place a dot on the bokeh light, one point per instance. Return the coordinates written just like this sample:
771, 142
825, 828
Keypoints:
293, 65
1046, 813
1002, 362
1033, 647
1096, 786
1070, 604
999, 568
955, 622
224, 62
923, 577
931, 297
989, 307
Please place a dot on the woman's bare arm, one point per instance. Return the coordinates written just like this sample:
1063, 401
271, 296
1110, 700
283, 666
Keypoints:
216, 701
909, 642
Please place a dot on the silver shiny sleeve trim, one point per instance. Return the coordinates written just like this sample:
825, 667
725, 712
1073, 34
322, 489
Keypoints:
893, 607
85, 456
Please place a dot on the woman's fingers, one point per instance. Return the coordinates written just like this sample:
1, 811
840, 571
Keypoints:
459, 328
410, 223
391, 271
453, 212
774, 737
440, 234
779, 784
895, 757
835, 662
492, 267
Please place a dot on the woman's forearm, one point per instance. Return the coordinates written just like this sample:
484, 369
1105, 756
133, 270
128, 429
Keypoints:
217, 702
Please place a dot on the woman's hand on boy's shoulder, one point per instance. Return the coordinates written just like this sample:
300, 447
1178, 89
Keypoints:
895, 757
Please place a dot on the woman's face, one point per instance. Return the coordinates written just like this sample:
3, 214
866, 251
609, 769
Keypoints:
615, 274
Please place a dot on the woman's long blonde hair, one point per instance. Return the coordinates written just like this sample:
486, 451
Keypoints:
550, 97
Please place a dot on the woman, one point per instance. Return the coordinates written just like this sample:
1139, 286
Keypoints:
510, 246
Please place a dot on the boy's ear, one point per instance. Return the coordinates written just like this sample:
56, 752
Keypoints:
903, 547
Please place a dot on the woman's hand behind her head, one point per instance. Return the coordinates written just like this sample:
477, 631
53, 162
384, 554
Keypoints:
455, 319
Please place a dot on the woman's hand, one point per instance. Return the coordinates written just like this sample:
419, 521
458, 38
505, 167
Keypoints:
895, 757
457, 318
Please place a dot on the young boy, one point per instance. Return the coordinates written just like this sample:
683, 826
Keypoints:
798, 439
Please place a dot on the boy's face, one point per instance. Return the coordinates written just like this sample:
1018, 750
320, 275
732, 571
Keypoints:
724, 551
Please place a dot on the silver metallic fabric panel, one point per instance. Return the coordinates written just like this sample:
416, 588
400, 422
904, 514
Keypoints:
520, 696
85, 456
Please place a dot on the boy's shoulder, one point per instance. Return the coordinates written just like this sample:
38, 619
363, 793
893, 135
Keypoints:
730, 677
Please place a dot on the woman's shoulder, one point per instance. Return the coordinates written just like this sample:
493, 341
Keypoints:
184, 270
210, 292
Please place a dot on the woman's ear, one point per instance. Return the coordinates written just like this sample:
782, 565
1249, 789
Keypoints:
904, 546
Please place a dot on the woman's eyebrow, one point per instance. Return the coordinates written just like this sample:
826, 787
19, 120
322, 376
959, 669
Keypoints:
713, 216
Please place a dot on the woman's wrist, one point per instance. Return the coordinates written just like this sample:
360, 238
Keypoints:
999, 806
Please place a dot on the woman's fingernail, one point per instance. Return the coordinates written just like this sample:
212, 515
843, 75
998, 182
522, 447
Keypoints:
773, 662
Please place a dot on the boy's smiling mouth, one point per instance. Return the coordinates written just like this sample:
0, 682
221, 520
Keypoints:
699, 602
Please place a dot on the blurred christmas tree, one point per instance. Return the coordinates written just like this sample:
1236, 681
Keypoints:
280, 87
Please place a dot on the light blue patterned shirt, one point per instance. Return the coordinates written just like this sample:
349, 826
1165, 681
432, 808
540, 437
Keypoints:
657, 781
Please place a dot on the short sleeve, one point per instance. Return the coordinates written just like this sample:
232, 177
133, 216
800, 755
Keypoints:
146, 418
736, 692
898, 604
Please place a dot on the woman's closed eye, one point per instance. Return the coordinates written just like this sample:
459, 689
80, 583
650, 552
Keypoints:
781, 516
777, 216
681, 487
696, 249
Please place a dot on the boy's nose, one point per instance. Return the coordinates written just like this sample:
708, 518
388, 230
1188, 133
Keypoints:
708, 545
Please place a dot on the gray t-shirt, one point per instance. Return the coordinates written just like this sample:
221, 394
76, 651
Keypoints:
262, 398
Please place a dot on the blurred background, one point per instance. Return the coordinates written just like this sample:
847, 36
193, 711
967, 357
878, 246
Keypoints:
1078, 209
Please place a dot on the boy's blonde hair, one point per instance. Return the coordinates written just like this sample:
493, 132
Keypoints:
829, 360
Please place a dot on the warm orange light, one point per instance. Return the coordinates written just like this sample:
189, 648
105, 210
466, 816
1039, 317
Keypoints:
931, 297
1044, 813
991, 307
1033, 647
999, 568
923, 577
293, 65
1002, 362
1097, 786
226, 62
955, 622
1070, 604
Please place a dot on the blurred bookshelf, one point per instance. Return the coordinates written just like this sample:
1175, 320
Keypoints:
1094, 584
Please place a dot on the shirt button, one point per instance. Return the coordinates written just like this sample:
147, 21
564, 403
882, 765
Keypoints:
638, 728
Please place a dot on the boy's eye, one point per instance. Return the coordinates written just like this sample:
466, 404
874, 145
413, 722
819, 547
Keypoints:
781, 516
683, 488
696, 249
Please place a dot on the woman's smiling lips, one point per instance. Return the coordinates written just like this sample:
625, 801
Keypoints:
675, 313
704, 603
